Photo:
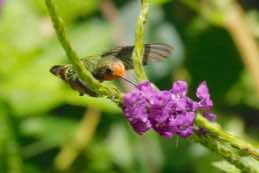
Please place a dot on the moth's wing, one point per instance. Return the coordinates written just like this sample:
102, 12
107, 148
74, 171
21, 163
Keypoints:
122, 53
152, 53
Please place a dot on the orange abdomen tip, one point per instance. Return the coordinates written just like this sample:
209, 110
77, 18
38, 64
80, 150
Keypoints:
119, 69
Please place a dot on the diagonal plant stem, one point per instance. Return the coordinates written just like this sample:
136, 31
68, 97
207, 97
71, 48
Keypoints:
100, 88
217, 131
229, 153
247, 45
138, 51
228, 146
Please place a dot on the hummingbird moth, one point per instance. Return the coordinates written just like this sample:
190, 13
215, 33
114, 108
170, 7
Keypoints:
110, 65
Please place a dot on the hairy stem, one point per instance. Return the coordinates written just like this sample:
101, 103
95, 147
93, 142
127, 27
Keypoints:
225, 144
224, 149
83, 73
216, 130
139, 41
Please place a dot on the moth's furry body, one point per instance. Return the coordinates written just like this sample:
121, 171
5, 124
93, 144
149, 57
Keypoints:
110, 65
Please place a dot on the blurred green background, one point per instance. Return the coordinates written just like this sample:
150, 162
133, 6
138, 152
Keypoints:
45, 127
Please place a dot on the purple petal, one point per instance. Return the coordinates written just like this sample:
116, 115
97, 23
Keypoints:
206, 104
135, 110
188, 131
191, 105
164, 129
202, 91
183, 123
145, 86
157, 106
204, 97
140, 126
210, 116
180, 88
168, 112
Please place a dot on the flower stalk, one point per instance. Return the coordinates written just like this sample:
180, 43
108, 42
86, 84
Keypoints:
217, 131
225, 150
138, 51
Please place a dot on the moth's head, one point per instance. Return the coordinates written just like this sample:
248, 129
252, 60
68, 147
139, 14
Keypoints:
110, 70
59, 71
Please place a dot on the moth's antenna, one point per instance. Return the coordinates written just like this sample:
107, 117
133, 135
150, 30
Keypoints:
128, 81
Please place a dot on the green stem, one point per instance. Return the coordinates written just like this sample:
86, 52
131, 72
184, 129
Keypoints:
226, 151
215, 129
139, 41
100, 88
228, 146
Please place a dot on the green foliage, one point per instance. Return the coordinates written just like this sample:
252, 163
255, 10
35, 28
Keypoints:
39, 113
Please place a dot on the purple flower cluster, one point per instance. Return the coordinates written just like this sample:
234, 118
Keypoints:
167, 112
